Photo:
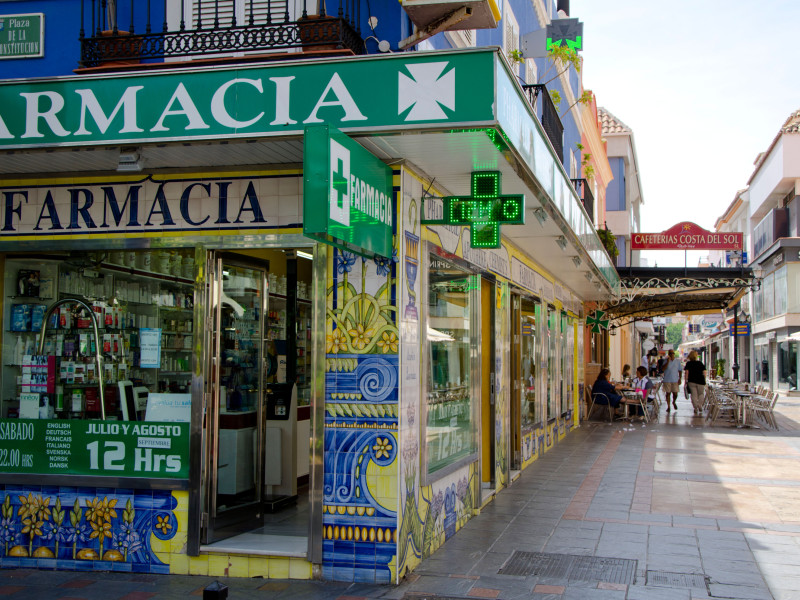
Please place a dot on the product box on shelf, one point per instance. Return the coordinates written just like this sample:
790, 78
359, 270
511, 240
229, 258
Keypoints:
28, 283
21, 317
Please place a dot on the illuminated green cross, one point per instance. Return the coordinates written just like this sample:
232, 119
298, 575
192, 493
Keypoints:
339, 184
485, 209
597, 321
575, 44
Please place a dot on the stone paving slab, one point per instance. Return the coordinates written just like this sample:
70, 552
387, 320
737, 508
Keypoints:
676, 495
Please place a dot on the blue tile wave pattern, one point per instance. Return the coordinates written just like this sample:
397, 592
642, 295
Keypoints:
359, 534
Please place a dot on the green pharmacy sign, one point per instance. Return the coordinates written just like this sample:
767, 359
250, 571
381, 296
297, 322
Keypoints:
597, 321
347, 194
565, 32
22, 36
484, 210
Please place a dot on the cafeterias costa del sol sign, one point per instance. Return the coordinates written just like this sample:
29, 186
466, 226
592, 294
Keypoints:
687, 236
386, 92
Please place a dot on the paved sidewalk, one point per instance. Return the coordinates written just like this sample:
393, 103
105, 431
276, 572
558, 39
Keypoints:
672, 510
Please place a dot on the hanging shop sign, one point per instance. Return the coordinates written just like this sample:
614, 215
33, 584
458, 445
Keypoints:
398, 91
483, 211
565, 32
103, 448
687, 236
597, 321
741, 329
347, 193
22, 36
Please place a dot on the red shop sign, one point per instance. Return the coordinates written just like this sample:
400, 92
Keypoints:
687, 236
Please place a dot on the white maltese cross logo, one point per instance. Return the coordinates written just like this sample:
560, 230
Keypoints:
427, 92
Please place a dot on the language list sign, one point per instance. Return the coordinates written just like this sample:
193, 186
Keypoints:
103, 448
687, 236
22, 36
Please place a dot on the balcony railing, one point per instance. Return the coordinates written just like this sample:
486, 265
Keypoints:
551, 122
106, 40
586, 196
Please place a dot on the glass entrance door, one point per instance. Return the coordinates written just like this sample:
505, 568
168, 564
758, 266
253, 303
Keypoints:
235, 412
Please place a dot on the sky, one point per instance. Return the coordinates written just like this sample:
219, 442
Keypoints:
704, 85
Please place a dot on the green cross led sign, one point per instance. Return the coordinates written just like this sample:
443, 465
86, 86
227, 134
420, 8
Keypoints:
484, 210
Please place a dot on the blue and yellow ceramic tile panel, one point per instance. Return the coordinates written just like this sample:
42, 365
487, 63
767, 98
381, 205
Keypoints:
87, 529
361, 403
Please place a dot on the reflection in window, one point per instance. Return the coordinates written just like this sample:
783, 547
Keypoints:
451, 415
787, 363
527, 365
567, 346
553, 387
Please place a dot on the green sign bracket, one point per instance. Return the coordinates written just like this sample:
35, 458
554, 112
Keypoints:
483, 211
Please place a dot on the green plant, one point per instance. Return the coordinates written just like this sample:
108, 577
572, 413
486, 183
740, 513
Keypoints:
516, 56
561, 55
719, 367
586, 168
609, 242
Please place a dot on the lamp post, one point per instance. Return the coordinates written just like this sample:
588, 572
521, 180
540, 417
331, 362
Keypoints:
735, 365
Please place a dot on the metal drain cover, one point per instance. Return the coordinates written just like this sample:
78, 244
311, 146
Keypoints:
685, 580
574, 567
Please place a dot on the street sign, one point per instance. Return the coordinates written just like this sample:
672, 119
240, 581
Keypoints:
741, 329
22, 36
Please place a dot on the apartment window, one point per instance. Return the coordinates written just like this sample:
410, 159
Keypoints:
615, 194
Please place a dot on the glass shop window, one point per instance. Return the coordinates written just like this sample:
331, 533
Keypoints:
787, 363
451, 411
98, 335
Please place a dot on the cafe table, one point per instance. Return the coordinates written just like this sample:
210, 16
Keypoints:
633, 398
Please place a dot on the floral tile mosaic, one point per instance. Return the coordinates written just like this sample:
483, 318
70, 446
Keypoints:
85, 529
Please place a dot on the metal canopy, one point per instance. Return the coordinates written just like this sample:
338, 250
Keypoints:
656, 291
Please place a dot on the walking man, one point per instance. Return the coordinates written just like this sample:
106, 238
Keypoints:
671, 381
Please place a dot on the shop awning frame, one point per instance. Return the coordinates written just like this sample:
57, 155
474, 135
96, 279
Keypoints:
648, 292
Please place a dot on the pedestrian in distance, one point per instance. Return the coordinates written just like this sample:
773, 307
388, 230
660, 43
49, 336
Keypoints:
696, 381
671, 381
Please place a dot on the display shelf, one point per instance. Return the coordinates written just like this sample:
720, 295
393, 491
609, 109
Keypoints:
143, 299
30, 298
137, 272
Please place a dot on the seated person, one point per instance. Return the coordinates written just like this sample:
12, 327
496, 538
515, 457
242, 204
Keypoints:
642, 382
626, 373
603, 386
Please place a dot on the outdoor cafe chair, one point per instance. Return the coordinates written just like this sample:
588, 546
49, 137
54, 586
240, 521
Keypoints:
654, 398
720, 403
764, 407
595, 398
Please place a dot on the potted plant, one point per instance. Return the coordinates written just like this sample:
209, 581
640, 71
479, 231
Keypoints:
719, 367
609, 242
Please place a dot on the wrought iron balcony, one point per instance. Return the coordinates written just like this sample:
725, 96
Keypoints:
551, 122
585, 194
105, 40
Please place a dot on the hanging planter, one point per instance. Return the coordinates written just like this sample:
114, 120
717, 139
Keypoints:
609, 242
